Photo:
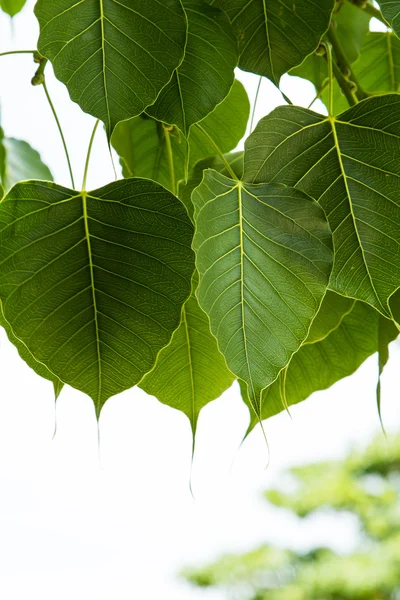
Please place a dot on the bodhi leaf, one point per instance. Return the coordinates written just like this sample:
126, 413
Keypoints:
114, 57
206, 74
378, 68
93, 283
19, 161
140, 142
264, 257
190, 372
276, 35
317, 366
12, 7
350, 164
28, 357
333, 309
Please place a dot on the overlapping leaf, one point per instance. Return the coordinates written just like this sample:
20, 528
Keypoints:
276, 35
114, 57
264, 256
141, 143
12, 7
317, 366
19, 161
206, 74
391, 11
190, 372
93, 283
350, 164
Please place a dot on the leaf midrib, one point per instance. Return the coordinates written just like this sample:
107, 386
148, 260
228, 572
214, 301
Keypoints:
93, 288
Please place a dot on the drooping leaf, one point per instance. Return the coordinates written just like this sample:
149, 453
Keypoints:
206, 74
12, 7
276, 35
140, 142
190, 372
19, 162
114, 57
27, 356
264, 256
391, 11
350, 164
317, 366
93, 283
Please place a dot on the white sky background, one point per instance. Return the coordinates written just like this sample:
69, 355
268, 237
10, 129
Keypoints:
74, 524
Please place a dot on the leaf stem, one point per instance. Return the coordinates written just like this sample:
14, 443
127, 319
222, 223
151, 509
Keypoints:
218, 151
330, 77
170, 156
253, 114
53, 110
348, 79
88, 155
370, 10
9, 52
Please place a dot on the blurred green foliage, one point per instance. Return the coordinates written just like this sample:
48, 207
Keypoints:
365, 484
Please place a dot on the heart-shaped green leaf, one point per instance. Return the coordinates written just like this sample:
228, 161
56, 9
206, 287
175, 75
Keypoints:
190, 372
114, 57
350, 164
141, 142
206, 74
264, 257
276, 35
93, 283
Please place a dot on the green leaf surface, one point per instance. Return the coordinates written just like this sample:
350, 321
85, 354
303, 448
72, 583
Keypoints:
190, 372
378, 67
140, 142
350, 165
264, 257
391, 12
276, 35
333, 309
114, 57
27, 356
206, 74
93, 283
234, 159
12, 7
19, 162
352, 25
317, 366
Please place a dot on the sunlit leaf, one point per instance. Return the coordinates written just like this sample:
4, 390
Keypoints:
276, 35
140, 142
264, 257
114, 57
93, 283
190, 372
350, 164
12, 7
206, 74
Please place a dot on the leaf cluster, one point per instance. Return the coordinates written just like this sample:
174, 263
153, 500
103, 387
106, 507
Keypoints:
277, 265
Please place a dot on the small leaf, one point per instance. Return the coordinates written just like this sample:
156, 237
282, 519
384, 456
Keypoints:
12, 7
93, 283
317, 366
190, 372
140, 142
206, 74
350, 164
276, 35
264, 257
114, 57
19, 162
